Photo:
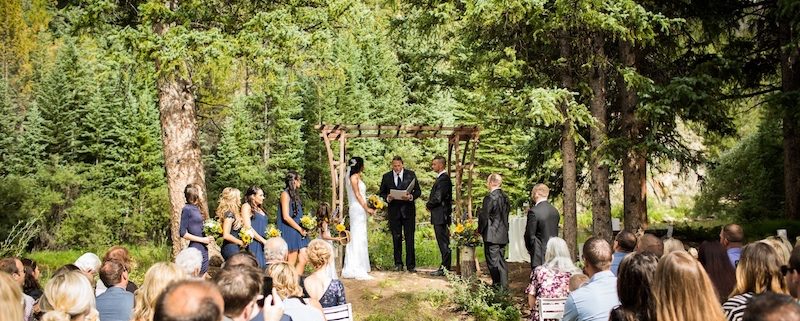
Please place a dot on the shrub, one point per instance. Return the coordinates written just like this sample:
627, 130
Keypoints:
482, 301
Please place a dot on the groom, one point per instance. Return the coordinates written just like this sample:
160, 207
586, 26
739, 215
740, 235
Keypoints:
402, 213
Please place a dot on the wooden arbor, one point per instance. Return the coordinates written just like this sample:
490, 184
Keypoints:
456, 135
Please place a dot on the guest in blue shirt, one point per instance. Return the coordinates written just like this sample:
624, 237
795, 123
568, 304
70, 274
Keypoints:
595, 299
732, 237
116, 303
624, 243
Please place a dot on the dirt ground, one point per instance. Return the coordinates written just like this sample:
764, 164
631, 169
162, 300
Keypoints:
419, 296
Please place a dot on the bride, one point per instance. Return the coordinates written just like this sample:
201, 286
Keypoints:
356, 259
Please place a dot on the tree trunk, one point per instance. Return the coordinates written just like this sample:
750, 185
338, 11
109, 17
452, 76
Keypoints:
601, 207
569, 156
790, 81
634, 161
182, 160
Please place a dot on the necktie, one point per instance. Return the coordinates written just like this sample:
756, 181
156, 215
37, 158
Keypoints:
398, 181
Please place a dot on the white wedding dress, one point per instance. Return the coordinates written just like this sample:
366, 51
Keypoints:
356, 257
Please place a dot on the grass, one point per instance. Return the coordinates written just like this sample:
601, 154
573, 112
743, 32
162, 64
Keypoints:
413, 306
143, 258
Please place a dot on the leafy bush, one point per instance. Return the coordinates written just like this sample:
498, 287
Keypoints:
747, 182
481, 300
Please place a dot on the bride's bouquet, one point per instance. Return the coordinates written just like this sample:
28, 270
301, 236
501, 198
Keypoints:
375, 202
212, 228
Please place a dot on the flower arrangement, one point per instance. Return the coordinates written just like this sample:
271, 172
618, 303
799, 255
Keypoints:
212, 228
340, 228
308, 223
272, 231
246, 235
466, 233
375, 202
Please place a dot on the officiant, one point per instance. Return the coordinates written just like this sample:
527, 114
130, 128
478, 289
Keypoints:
396, 188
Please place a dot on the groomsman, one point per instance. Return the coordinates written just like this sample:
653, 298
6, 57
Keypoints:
402, 213
542, 224
440, 205
493, 227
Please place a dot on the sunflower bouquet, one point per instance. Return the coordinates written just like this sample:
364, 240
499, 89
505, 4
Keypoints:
343, 233
308, 223
246, 235
375, 202
466, 233
272, 231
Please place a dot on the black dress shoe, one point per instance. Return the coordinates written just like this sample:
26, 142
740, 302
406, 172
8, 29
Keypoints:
438, 272
398, 268
412, 270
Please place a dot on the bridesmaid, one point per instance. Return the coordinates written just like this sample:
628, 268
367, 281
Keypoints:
254, 217
191, 226
289, 214
229, 214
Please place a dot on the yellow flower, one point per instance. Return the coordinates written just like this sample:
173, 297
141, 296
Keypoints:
340, 227
272, 231
459, 228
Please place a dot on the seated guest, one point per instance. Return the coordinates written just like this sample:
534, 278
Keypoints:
624, 243
772, 307
32, 287
320, 286
276, 250
732, 237
156, 280
10, 299
69, 296
13, 266
190, 260
781, 249
241, 258
683, 291
594, 300
758, 271
714, 258
88, 263
634, 287
792, 273
551, 279
672, 245
286, 283
577, 280
116, 303
121, 255
240, 287
194, 300
651, 244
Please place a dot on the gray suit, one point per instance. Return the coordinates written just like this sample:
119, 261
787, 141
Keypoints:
116, 304
542, 224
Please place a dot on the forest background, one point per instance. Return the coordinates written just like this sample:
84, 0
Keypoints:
582, 95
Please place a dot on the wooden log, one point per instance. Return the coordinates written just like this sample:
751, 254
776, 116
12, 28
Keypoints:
467, 261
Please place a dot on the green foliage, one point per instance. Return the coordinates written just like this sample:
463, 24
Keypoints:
747, 181
380, 246
482, 301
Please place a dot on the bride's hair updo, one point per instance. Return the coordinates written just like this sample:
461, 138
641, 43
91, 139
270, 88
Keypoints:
356, 165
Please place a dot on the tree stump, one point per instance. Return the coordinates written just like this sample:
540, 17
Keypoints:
467, 261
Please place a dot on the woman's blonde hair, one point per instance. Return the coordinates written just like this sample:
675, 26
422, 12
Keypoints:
230, 200
69, 295
672, 245
783, 250
157, 278
285, 280
759, 270
557, 257
683, 291
10, 298
319, 253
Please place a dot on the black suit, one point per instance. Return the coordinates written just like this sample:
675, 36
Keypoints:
402, 216
440, 203
542, 224
493, 227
